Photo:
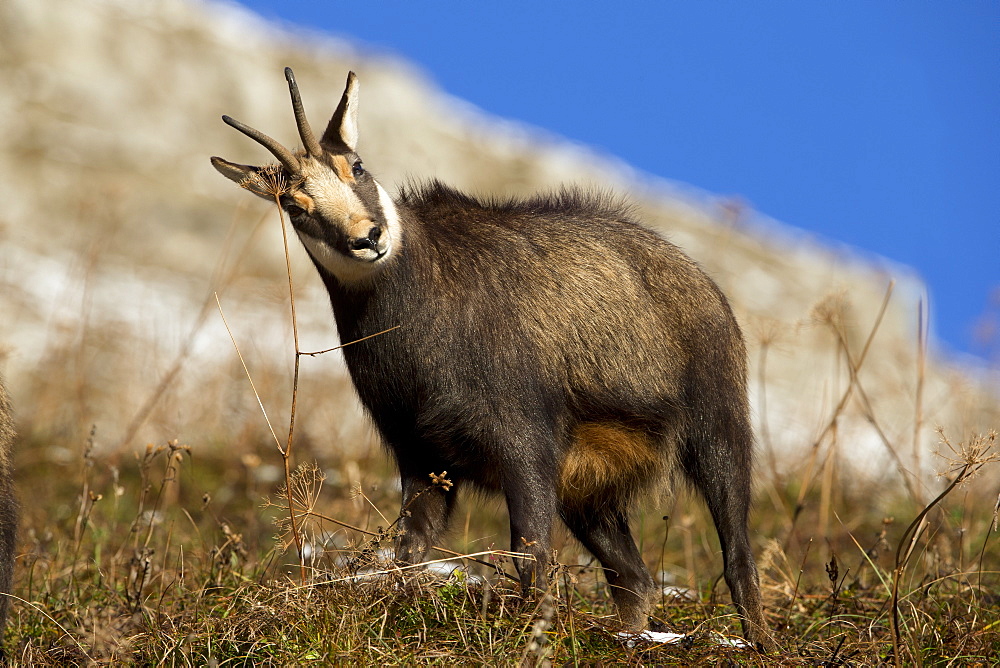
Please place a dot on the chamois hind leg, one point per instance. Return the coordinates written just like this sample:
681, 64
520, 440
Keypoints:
720, 469
606, 534
425, 512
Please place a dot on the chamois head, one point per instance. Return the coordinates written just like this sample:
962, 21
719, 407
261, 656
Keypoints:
345, 219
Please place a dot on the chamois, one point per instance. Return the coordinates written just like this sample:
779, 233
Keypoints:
549, 349
8, 506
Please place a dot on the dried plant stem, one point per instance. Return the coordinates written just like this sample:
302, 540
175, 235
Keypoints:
220, 277
332, 520
286, 452
765, 431
918, 417
909, 478
831, 424
286, 449
969, 459
827, 487
272, 180
907, 543
986, 539
87, 496
798, 580
247, 372
351, 343
854, 370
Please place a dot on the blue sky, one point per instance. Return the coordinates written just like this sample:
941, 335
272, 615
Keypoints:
876, 124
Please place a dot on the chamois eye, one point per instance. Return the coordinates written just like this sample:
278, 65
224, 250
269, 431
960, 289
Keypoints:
294, 210
358, 169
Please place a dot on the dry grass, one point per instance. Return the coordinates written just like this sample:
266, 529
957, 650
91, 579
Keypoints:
180, 555
171, 559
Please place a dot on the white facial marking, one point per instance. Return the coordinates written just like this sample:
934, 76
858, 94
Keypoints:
346, 269
334, 199
336, 203
393, 228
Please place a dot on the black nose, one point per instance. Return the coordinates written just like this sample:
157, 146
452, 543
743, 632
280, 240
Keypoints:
371, 241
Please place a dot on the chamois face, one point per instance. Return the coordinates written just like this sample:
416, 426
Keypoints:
345, 219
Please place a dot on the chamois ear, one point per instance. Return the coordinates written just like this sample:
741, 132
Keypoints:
342, 132
246, 176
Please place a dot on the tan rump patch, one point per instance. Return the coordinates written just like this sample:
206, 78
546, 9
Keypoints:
608, 459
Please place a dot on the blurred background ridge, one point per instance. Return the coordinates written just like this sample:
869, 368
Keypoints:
115, 231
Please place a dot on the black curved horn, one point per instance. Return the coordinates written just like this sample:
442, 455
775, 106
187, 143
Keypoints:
284, 156
305, 132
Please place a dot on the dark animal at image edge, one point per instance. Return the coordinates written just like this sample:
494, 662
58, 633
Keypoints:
549, 349
8, 507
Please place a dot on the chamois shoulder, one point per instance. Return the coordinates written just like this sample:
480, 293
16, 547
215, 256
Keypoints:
436, 198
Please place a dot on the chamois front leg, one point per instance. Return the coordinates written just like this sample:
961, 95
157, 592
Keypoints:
531, 504
424, 514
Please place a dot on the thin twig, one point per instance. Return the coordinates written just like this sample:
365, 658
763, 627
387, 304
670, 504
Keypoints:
798, 580
351, 343
220, 277
249, 377
332, 520
274, 182
974, 457
918, 417
841, 405
286, 454
869, 414
909, 540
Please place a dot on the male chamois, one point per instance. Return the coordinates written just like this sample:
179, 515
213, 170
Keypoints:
550, 349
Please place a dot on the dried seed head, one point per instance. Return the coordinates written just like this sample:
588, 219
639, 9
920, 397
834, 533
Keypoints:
441, 480
968, 457
832, 311
269, 179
